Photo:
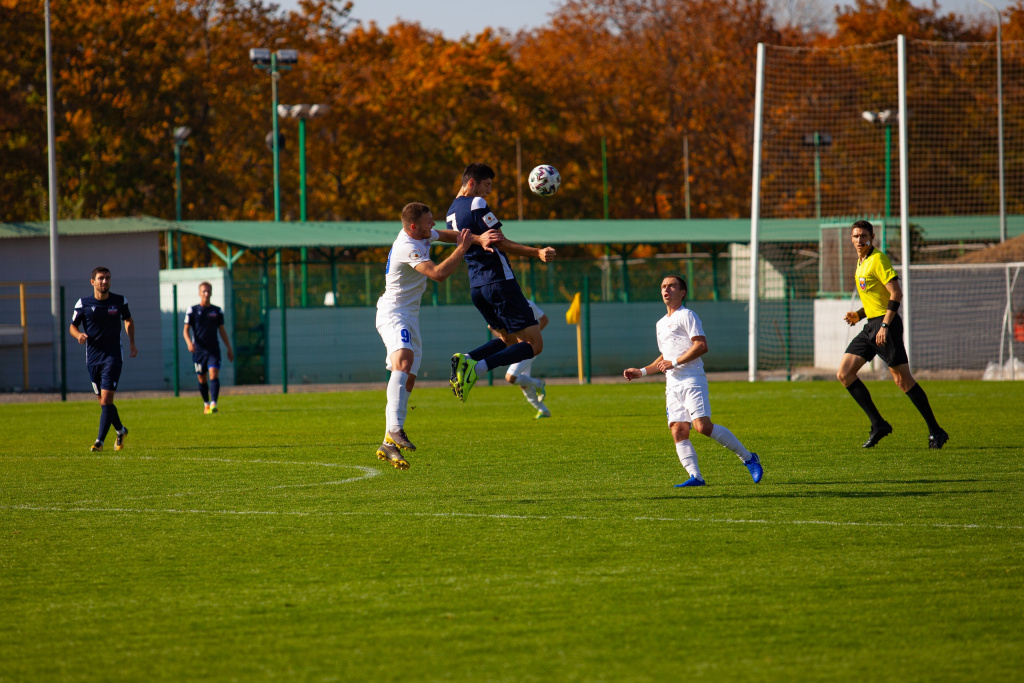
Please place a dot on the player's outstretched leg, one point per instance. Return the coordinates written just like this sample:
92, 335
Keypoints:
119, 442
688, 459
879, 427
465, 375
728, 440
393, 456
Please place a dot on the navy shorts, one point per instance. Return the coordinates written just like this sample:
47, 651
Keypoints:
105, 375
204, 360
893, 353
503, 306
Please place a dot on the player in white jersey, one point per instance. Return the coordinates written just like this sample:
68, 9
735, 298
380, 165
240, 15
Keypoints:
682, 342
534, 389
398, 312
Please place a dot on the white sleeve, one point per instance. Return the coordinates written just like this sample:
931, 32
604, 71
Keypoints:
692, 325
411, 253
188, 314
77, 315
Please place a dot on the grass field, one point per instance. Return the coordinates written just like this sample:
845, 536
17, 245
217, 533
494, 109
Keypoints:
267, 542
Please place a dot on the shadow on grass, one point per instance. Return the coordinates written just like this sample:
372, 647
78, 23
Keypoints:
881, 481
825, 494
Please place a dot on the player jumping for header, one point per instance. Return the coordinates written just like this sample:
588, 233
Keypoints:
493, 287
203, 322
682, 342
99, 316
398, 313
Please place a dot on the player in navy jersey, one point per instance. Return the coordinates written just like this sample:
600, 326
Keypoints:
203, 322
493, 286
96, 323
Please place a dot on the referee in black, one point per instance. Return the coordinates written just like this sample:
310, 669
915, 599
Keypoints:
882, 336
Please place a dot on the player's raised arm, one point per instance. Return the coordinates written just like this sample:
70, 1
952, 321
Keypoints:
545, 254
486, 240
637, 373
440, 273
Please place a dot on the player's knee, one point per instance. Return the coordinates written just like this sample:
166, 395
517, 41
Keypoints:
538, 346
511, 379
680, 431
704, 427
844, 376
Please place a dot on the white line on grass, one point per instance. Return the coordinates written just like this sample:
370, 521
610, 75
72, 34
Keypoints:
703, 520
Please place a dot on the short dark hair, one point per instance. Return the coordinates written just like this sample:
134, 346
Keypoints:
864, 225
99, 269
206, 284
477, 172
412, 212
682, 283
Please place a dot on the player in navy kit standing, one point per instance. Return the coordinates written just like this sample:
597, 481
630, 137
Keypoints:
202, 324
96, 323
493, 287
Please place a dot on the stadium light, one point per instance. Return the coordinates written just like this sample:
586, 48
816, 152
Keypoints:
276, 62
302, 112
885, 118
173, 238
817, 139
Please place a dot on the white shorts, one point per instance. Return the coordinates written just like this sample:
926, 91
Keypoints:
520, 368
400, 332
688, 400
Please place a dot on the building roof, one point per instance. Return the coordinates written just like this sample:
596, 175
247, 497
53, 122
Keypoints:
95, 226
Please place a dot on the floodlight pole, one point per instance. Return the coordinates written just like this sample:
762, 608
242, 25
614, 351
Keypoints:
55, 289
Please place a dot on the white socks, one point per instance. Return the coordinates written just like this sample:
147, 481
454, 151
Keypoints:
531, 395
481, 367
688, 458
527, 381
398, 401
729, 440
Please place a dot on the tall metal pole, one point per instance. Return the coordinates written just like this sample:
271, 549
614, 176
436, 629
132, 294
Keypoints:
999, 97
604, 175
55, 301
755, 214
519, 176
302, 210
277, 154
817, 175
901, 50
174, 323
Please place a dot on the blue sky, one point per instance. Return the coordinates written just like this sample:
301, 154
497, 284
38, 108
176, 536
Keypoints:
456, 19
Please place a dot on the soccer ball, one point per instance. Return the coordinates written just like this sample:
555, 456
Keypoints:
544, 180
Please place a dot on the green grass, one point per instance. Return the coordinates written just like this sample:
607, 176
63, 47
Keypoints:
254, 544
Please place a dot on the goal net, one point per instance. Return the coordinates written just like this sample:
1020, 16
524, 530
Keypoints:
830, 154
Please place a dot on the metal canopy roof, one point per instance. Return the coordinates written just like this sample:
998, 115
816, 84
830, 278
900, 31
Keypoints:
270, 235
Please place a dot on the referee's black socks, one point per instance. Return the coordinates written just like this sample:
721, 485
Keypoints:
920, 400
862, 396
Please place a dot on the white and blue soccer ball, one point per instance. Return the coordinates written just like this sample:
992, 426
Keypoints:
544, 180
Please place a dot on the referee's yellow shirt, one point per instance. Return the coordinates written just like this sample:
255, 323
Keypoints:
872, 275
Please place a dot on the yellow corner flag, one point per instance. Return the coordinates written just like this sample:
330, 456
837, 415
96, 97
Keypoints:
572, 316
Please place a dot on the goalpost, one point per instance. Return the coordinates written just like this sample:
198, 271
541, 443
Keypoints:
871, 132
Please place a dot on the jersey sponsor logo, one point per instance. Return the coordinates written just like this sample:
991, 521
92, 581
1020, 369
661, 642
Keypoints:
862, 282
490, 219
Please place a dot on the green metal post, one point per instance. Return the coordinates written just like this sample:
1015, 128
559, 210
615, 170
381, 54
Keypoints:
369, 291
304, 300
625, 275
533, 281
277, 151
586, 327
334, 275
282, 305
888, 170
63, 351
604, 175
490, 375
817, 175
174, 329
265, 316
789, 287
714, 275
689, 267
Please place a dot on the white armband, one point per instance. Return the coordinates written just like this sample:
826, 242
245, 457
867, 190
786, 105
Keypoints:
643, 372
676, 363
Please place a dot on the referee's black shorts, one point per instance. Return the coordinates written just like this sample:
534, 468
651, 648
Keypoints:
893, 353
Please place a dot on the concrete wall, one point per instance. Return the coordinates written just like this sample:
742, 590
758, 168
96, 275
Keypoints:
134, 261
328, 345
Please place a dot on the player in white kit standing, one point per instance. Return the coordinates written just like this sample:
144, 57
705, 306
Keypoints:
398, 313
682, 342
